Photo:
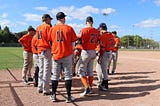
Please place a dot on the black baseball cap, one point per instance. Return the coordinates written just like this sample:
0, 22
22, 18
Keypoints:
60, 15
30, 28
89, 19
103, 26
45, 16
114, 32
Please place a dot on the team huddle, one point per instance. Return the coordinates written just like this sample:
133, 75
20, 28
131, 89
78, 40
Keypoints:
57, 50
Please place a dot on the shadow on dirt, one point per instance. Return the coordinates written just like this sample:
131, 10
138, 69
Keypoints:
124, 86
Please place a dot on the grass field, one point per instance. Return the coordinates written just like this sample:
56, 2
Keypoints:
11, 57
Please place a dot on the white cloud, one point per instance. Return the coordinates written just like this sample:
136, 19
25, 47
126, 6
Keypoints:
77, 27
67, 10
149, 23
82, 13
108, 11
77, 13
72, 12
4, 15
41, 8
32, 17
157, 2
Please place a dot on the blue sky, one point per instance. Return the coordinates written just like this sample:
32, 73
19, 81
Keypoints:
140, 17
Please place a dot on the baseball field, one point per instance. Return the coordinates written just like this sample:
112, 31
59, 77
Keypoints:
135, 83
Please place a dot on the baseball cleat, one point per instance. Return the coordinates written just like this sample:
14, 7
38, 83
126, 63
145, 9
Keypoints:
25, 81
113, 72
86, 91
70, 99
102, 88
30, 79
46, 93
53, 98
40, 91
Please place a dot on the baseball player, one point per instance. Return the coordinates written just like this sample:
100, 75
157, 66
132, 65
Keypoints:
89, 36
114, 56
25, 41
35, 60
76, 55
106, 45
62, 36
44, 53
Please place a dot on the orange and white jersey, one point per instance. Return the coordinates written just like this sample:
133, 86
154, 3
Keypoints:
90, 38
62, 37
34, 44
116, 45
26, 40
42, 32
107, 41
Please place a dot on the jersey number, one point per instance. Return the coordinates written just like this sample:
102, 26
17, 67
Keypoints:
94, 39
39, 34
59, 36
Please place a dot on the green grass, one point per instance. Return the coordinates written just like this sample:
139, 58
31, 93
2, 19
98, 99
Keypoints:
11, 57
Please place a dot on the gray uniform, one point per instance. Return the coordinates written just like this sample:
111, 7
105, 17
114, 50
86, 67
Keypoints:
44, 70
86, 63
102, 67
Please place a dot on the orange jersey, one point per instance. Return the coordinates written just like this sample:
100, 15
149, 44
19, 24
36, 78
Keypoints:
89, 36
42, 32
116, 45
62, 37
107, 41
34, 45
25, 40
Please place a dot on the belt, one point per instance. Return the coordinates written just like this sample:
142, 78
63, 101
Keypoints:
107, 51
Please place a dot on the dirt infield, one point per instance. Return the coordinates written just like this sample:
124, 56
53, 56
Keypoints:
136, 83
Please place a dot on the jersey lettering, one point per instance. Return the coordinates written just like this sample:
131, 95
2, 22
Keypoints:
110, 44
59, 36
39, 34
94, 39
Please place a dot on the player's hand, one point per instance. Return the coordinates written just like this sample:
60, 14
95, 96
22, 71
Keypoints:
77, 52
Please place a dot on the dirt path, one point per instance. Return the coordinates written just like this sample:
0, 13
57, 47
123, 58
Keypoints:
136, 83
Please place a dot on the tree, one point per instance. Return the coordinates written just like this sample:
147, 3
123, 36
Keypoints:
130, 41
6, 29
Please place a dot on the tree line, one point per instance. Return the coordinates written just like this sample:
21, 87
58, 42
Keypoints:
138, 42
8, 38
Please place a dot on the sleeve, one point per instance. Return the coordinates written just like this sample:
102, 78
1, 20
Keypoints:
50, 34
34, 44
74, 37
47, 29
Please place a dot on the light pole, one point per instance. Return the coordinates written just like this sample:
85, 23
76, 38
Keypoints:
128, 42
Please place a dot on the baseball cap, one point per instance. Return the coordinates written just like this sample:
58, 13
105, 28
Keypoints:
89, 19
30, 28
46, 16
103, 26
60, 15
114, 32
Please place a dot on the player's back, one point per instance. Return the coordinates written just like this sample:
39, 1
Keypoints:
107, 40
62, 37
42, 32
26, 42
89, 36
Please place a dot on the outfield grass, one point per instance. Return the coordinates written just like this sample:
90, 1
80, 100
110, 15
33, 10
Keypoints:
11, 57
